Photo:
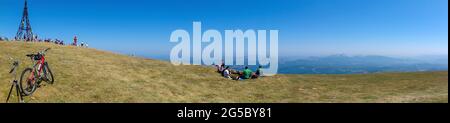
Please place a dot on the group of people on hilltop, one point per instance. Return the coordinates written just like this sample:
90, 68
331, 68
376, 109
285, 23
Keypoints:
231, 74
56, 41
3, 39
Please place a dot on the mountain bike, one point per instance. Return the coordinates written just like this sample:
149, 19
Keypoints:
15, 83
32, 77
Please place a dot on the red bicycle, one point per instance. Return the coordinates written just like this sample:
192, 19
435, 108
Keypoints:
32, 77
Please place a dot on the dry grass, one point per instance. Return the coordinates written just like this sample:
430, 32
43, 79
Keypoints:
89, 75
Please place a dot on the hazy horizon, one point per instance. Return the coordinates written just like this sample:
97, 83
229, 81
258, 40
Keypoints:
296, 57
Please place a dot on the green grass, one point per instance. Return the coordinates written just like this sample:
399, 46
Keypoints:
93, 76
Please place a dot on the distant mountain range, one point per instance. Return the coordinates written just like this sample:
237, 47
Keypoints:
343, 64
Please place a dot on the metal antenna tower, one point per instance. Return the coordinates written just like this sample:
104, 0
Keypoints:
25, 33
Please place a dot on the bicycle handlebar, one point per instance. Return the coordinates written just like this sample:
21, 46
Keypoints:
39, 53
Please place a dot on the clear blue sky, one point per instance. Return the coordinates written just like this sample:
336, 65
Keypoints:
307, 27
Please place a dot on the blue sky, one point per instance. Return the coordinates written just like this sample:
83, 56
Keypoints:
307, 27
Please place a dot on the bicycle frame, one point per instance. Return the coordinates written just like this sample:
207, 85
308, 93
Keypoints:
37, 69
41, 64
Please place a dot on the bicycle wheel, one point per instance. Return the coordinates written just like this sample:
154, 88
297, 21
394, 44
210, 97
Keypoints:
28, 82
48, 74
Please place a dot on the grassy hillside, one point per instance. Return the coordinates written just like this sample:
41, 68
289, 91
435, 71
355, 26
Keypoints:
89, 75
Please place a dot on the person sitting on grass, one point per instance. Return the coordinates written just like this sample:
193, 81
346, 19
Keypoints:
257, 74
226, 73
258, 71
246, 74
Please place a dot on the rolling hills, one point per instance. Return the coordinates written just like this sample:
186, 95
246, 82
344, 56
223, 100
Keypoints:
85, 75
